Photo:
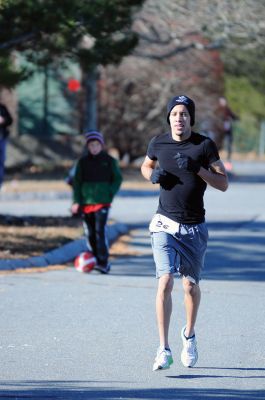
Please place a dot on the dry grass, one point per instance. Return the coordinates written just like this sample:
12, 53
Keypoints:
122, 248
28, 241
23, 239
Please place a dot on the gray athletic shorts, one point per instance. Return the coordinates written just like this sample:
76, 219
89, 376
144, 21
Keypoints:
182, 253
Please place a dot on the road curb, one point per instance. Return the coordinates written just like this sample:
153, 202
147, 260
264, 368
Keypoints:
63, 254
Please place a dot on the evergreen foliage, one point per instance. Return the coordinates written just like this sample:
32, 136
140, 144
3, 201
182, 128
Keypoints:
249, 103
89, 32
247, 63
10, 76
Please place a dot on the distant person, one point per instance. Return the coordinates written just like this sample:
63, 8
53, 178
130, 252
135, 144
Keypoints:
206, 129
227, 116
5, 121
188, 162
96, 181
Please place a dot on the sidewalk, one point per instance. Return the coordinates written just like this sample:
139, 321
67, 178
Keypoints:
25, 199
63, 254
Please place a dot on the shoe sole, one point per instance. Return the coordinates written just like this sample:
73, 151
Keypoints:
158, 367
102, 271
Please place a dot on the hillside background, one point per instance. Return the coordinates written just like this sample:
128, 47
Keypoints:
177, 53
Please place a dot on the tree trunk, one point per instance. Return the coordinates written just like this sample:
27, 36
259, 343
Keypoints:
90, 109
45, 123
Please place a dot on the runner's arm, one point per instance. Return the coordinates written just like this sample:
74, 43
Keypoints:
147, 167
216, 176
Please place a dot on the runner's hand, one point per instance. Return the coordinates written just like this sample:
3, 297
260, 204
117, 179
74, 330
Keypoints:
158, 175
187, 163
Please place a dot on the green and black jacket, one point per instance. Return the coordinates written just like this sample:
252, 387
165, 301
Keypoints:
97, 179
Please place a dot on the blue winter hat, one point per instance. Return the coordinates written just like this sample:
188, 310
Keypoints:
186, 101
94, 135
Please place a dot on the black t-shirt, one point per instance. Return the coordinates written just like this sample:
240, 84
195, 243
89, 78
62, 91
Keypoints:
181, 195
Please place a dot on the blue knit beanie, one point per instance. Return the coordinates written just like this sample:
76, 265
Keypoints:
94, 135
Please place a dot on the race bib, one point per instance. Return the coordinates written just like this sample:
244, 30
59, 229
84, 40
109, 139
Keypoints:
160, 223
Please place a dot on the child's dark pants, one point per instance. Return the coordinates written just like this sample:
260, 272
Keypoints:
95, 231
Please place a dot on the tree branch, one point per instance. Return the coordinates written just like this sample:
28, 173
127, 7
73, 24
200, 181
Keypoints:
164, 55
13, 42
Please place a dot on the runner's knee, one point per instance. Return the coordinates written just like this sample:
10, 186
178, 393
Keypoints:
190, 288
165, 285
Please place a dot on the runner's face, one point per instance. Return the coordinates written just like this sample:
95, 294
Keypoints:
179, 119
94, 147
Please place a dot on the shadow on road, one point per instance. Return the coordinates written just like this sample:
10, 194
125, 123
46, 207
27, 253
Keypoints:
236, 251
81, 390
241, 178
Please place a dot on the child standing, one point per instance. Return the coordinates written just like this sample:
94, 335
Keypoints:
96, 181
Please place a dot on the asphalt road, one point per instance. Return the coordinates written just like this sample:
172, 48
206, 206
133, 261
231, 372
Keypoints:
66, 335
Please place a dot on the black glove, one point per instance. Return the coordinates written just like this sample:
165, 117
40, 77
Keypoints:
186, 162
158, 175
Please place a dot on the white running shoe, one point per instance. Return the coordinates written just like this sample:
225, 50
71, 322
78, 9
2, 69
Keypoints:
163, 359
189, 354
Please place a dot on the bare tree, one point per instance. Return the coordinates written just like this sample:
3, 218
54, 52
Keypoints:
224, 23
178, 52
